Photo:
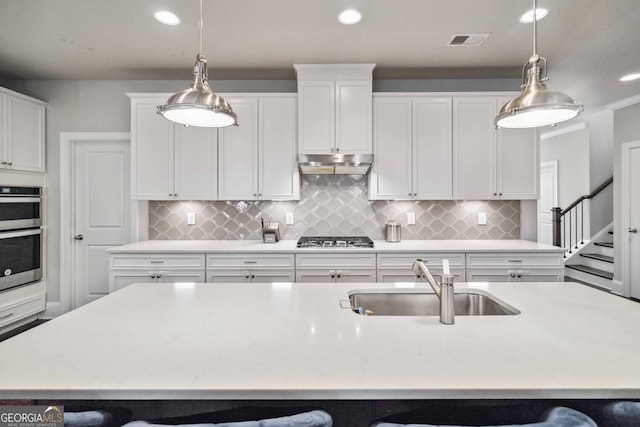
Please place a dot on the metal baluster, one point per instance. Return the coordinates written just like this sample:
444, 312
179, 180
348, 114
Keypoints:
564, 235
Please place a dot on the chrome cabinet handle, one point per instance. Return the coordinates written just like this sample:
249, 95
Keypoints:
78, 237
6, 316
250, 262
633, 230
156, 262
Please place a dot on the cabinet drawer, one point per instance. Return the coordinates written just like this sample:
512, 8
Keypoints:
21, 310
405, 260
333, 261
514, 260
408, 276
249, 261
174, 261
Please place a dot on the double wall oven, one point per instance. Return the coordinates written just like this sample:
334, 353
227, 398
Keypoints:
20, 236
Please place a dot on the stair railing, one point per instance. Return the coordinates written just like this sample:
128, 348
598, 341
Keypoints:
560, 218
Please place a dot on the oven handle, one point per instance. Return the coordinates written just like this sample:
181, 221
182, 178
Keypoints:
20, 200
20, 233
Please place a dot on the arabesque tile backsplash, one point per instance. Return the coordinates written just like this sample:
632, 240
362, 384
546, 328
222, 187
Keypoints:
334, 205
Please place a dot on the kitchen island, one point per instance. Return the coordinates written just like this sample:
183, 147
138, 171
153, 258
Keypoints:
294, 341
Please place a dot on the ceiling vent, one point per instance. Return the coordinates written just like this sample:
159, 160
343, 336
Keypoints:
468, 39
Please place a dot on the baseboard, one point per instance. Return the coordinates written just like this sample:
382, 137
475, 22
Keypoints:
617, 287
52, 309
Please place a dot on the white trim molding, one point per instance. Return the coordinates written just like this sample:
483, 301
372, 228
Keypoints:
563, 130
626, 102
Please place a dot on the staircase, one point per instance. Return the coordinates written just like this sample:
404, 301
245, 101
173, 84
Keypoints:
592, 264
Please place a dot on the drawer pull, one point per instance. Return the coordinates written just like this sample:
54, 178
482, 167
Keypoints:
515, 260
6, 316
251, 262
157, 262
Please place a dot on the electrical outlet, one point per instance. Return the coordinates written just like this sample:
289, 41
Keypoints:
191, 218
482, 218
289, 220
411, 218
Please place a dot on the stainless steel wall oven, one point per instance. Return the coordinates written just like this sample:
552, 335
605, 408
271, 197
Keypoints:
20, 236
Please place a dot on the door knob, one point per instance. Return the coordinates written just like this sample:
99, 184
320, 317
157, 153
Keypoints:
633, 230
78, 237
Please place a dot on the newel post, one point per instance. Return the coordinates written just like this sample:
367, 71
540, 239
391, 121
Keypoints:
556, 218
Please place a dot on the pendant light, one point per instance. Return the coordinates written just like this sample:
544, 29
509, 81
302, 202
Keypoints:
536, 106
199, 106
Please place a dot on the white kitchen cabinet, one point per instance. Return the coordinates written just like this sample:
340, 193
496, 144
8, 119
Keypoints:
170, 161
250, 268
22, 132
21, 305
126, 269
514, 267
412, 145
336, 267
334, 108
258, 158
397, 267
490, 163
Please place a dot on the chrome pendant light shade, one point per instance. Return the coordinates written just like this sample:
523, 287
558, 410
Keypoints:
199, 106
536, 106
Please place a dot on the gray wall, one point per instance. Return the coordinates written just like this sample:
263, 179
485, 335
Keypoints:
102, 106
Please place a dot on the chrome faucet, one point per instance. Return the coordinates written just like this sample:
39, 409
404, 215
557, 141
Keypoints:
443, 290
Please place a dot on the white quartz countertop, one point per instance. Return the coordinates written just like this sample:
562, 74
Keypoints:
294, 341
289, 246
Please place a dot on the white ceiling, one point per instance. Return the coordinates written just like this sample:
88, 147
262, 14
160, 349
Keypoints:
589, 44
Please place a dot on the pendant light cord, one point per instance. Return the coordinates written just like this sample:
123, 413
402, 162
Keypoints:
200, 29
535, 28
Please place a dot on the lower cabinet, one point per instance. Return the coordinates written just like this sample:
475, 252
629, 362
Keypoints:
347, 268
126, 269
514, 267
21, 305
250, 268
397, 267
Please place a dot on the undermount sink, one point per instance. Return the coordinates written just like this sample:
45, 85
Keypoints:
414, 302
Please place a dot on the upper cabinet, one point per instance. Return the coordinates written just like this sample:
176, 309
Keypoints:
334, 108
412, 143
170, 161
489, 163
22, 132
258, 158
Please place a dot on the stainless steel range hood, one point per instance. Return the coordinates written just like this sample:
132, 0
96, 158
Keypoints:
334, 164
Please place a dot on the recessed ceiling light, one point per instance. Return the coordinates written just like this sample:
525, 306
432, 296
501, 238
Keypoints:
630, 77
349, 17
166, 17
527, 18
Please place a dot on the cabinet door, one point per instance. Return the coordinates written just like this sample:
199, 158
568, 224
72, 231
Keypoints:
267, 276
231, 276
353, 117
196, 163
152, 151
24, 149
489, 275
314, 276
433, 148
391, 175
316, 117
181, 276
278, 174
238, 162
121, 279
518, 168
474, 148
355, 276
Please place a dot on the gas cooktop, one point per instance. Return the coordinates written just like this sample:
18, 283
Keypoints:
334, 242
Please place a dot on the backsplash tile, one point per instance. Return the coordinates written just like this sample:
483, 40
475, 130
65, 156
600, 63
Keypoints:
334, 205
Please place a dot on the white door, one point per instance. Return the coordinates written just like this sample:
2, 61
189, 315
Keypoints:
548, 199
630, 233
102, 213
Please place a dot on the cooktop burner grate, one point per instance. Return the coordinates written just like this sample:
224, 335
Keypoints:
334, 242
